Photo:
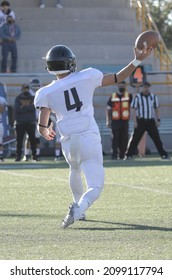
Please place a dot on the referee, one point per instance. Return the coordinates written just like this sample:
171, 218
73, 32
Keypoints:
145, 109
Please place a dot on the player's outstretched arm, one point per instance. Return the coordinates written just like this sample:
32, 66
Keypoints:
110, 79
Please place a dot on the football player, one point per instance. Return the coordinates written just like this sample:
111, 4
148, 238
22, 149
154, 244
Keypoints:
70, 97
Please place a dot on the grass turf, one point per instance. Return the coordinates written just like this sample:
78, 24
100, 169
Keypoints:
131, 220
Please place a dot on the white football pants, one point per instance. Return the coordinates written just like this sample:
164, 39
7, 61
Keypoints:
84, 154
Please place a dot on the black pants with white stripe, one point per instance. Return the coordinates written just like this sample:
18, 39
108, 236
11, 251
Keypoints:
151, 128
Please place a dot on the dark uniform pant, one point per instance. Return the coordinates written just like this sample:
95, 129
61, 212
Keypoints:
119, 138
21, 130
9, 47
142, 126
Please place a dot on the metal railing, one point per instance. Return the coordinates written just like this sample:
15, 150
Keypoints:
143, 16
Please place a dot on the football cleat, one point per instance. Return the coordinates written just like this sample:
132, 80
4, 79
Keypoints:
69, 219
82, 218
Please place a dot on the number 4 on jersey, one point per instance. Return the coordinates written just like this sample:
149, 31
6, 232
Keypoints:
77, 103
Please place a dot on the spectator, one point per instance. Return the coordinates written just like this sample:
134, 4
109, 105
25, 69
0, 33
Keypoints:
118, 115
3, 104
25, 121
146, 117
34, 85
5, 11
58, 4
9, 33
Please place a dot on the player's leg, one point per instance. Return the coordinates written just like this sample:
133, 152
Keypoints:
75, 180
92, 167
88, 152
94, 175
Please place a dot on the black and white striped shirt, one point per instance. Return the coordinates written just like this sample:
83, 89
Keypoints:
145, 105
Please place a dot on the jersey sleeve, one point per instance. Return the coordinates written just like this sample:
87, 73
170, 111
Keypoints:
96, 76
41, 100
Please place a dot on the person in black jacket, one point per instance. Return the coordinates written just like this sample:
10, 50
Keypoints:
25, 121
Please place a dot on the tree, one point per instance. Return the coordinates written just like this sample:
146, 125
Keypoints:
161, 11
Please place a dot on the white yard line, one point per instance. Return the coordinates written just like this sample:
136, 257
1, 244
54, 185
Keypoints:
31, 176
142, 188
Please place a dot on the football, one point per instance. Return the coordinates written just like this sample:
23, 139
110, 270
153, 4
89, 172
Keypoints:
147, 39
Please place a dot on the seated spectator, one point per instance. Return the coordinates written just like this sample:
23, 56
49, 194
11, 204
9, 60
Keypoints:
10, 32
58, 4
5, 11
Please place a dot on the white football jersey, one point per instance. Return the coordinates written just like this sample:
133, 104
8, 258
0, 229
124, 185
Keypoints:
71, 99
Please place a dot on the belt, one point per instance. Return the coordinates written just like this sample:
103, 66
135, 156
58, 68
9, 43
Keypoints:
142, 119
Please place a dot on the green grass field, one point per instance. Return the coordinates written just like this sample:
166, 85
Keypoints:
132, 220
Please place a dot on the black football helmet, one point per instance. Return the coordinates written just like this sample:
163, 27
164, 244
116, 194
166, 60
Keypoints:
60, 59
